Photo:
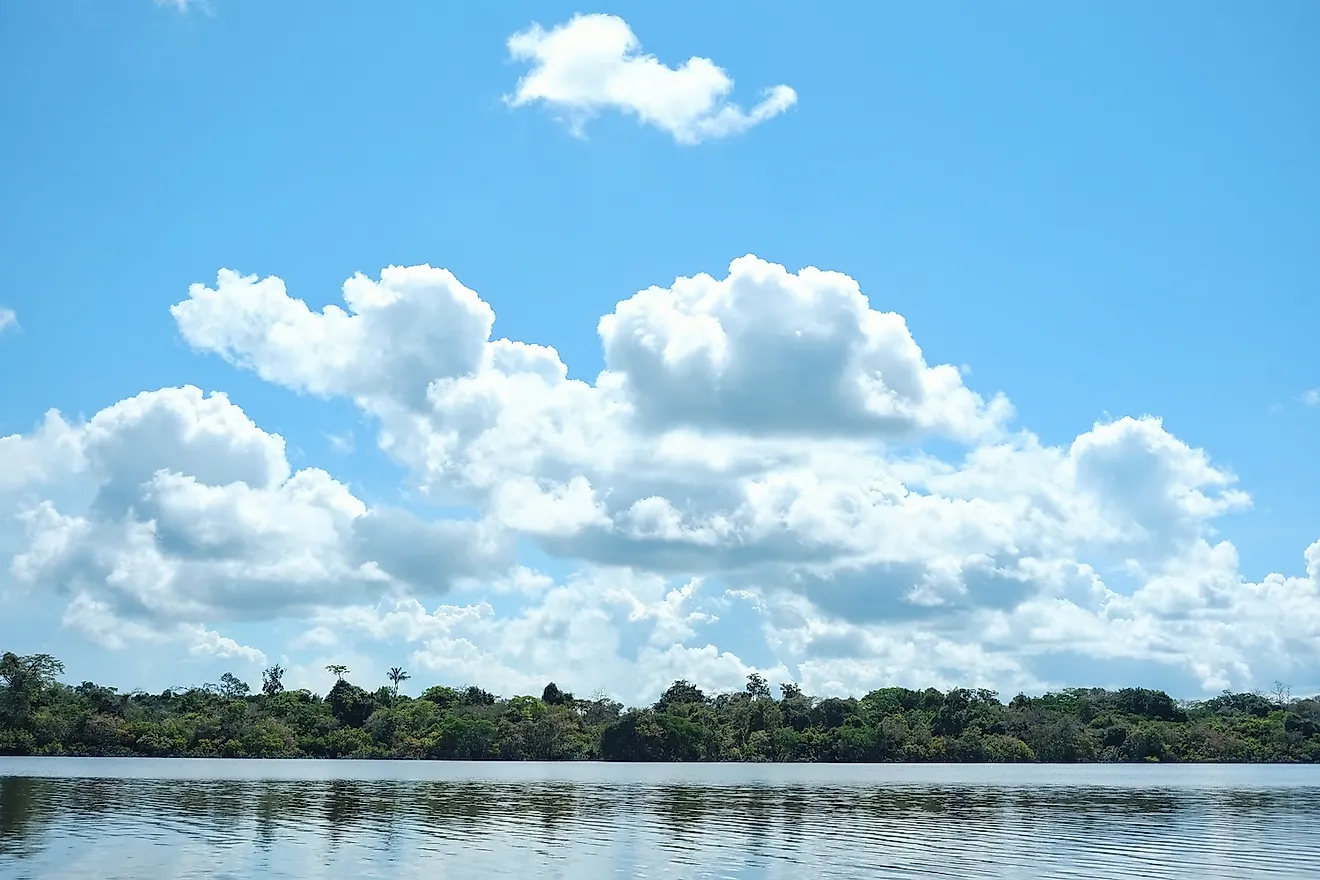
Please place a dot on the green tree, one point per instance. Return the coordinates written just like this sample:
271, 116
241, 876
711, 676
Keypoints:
396, 675
757, 687
338, 670
553, 696
272, 680
25, 680
680, 693
232, 688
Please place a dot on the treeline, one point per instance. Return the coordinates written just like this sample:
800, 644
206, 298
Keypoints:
41, 716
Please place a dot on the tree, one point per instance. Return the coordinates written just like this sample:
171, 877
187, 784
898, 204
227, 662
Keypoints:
1282, 695
338, 670
272, 680
790, 691
680, 693
232, 688
29, 672
25, 677
350, 704
553, 696
397, 675
475, 696
757, 688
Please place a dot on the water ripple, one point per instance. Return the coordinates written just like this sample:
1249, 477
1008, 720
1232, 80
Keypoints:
212, 819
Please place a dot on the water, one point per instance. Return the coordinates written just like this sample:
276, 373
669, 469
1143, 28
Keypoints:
144, 818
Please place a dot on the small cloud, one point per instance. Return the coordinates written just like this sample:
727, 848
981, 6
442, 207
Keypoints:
341, 442
1311, 397
594, 63
7, 319
186, 5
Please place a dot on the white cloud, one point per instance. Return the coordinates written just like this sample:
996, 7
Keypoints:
192, 514
1311, 397
7, 319
415, 325
756, 431
343, 443
743, 487
593, 63
98, 622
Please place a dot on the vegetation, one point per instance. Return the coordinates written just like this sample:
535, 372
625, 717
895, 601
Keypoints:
41, 716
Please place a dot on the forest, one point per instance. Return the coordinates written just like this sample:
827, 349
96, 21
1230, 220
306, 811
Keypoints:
40, 715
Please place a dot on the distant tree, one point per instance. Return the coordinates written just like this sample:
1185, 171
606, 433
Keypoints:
475, 696
28, 672
350, 704
25, 678
40, 715
553, 696
396, 675
601, 709
757, 687
338, 670
232, 688
272, 680
679, 693
444, 697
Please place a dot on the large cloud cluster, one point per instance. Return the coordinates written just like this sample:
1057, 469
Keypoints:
741, 487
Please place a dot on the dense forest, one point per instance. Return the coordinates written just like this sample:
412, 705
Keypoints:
41, 716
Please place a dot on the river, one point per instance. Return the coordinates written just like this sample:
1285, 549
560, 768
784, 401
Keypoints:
147, 818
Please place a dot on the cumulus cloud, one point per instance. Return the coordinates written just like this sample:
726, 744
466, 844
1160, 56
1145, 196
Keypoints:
99, 623
746, 486
192, 514
593, 63
7, 319
757, 432
613, 629
414, 325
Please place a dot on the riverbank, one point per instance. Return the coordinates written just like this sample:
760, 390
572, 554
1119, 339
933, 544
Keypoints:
41, 716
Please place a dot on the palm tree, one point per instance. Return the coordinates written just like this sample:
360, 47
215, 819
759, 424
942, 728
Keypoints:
338, 670
397, 675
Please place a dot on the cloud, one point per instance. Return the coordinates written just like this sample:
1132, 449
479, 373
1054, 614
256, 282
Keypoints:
761, 435
1311, 397
190, 513
7, 319
414, 325
593, 63
99, 623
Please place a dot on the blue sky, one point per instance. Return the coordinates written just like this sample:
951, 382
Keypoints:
1099, 211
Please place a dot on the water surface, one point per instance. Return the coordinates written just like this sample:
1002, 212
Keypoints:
147, 818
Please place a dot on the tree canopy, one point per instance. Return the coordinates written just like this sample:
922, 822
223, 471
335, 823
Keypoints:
41, 716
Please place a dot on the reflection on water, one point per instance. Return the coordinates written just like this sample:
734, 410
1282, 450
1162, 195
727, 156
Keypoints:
76, 818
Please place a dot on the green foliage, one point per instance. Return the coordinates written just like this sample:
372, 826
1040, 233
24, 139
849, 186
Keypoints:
40, 716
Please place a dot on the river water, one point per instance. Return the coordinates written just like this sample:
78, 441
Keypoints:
146, 818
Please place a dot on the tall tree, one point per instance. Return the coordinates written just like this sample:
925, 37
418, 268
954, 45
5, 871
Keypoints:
757, 687
233, 688
24, 678
396, 675
272, 680
338, 670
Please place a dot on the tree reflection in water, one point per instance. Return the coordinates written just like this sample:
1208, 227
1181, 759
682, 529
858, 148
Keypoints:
763, 823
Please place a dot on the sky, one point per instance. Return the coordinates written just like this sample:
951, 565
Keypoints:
877, 344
